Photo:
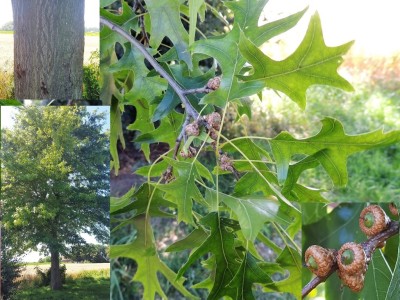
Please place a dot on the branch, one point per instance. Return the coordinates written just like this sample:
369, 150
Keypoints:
175, 86
369, 247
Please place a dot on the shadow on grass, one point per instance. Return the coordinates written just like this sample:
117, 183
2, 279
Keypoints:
86, 288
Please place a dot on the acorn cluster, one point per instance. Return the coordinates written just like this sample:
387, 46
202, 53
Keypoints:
351, 258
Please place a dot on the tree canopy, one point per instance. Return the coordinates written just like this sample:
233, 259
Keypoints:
55, 179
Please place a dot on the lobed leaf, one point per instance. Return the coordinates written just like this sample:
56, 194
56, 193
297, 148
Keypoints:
312, 63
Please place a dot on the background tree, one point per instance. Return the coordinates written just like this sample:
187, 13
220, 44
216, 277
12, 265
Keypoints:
88, 252
55, 180
48, 48
10, 266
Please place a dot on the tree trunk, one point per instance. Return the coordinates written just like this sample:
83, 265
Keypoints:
55, 280
48, 48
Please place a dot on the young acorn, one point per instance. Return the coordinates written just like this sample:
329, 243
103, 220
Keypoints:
319, 260
352, 265
373, 220
351, 259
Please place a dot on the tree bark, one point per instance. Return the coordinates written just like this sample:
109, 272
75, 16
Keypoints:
55, 280
48, 48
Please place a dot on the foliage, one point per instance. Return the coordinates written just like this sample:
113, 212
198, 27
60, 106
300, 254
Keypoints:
9, 26
93, 253
54, 178
45, 276
91, 74
10, 267
226, 222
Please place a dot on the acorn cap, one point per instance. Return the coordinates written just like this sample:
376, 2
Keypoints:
355, 282
214, 120
192, 129
214, 83
351, 259
319, 260
373, 220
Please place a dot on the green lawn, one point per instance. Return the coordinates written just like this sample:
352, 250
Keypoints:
87, 285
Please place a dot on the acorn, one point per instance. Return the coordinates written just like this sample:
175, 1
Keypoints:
355, 282
214, 120
393, 209
351, 259
189, 153
319, 260
192, 129
214, 83
373, 220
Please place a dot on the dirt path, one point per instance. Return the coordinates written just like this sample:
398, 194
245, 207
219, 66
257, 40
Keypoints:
71, 268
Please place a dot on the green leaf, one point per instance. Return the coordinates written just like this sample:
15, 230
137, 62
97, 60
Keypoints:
378, 277
138, 201
116, 134
142, 250
194, 8
253, 213
220, 243
183, 189
167, 132
331, 147
192, 240
10, 103
225, 50
248, 274
394, 287
312, 63
165, 21
104, 3
290, 260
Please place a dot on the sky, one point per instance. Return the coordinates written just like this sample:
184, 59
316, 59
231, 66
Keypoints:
7, 112
91, 12
372, 24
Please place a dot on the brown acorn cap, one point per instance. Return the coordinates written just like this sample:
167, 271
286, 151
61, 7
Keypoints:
214, 83
393, 209
351, 259
373, 220
192, 129
214, 120
355, 282
319, 260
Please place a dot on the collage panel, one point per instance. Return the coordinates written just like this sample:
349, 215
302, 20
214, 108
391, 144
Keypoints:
54, 205
245, 150
350, 250
50, 50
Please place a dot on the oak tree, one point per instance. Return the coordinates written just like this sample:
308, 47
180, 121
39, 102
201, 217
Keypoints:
55, 180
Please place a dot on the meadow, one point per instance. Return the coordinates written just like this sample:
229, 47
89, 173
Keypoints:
83, 281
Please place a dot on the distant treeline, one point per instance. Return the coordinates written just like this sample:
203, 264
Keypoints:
9, 26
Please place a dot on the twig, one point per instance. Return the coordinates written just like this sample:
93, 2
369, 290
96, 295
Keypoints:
175, 86
203, 90
369, 247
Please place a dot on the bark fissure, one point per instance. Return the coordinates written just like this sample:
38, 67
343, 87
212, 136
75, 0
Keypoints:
48, 48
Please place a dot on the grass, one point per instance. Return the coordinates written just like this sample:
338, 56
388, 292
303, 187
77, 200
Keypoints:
86, 285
